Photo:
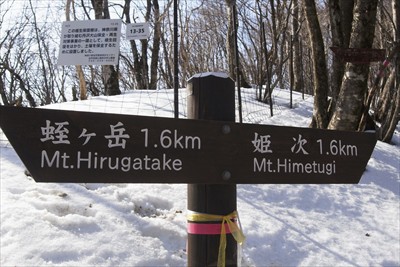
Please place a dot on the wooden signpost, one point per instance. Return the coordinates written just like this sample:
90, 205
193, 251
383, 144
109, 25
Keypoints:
359, 55
209, 152
69, 146
212, 98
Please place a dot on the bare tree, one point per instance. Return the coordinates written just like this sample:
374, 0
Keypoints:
207, 43
388, 112
143, 51
230, 40
349, 107
109, 73
273, 26
79, 70
298, 84
12, 84
234, 63
28, 73
341, 17
320, 116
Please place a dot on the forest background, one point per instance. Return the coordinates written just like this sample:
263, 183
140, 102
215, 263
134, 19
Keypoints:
267, 44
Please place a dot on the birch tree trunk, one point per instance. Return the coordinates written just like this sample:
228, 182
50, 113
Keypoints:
341, 16
354, 87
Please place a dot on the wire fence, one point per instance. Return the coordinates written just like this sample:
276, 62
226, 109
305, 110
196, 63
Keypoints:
160, 103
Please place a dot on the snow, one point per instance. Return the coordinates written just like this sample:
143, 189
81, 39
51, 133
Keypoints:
145, 224
215, 74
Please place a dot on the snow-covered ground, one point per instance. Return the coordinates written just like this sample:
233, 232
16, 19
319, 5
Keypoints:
145, 224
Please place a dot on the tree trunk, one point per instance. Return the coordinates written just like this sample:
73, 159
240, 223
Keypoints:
320, 76
110, 75
230, 40
156, 46
166, 69
341, 16
143, 66
298, 84
3, 91
392, 119
396, 34
139, 61
143, 77
349, 107
22, 84
392, 116
78, 68
230, 45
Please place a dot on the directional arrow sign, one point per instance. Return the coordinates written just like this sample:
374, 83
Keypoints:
85, 147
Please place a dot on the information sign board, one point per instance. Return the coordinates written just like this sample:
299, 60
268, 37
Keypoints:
137, 31
90, 42
85, 147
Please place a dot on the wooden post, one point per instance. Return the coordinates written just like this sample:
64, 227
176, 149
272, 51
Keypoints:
211, 97
291, 74
176, 66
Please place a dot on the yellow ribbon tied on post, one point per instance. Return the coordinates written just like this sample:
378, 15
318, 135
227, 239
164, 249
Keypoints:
233, 227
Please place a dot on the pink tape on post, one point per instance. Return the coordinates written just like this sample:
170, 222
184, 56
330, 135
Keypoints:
206, 228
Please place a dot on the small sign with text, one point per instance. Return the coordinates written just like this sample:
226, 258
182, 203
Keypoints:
137, 31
